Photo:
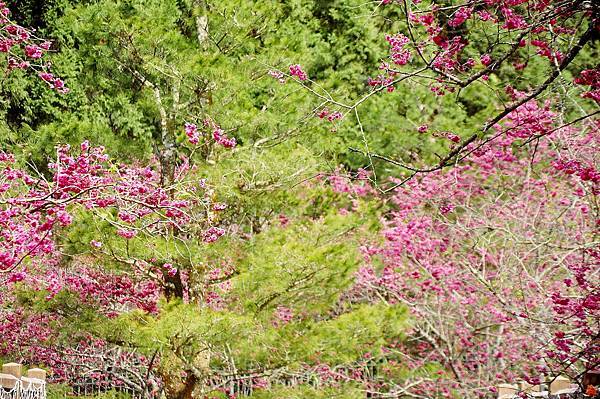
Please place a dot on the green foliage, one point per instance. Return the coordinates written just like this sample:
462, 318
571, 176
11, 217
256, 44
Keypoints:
345, 391
338, 42
183, 333
57, 391
260, 183
308, 263
37, 13
60, 391
304, 266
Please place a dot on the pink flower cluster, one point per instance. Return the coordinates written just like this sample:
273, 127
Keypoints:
277, 75
296, 70
283, 315
212, 234
221, 138
170, 269
218, 134
460, 16
218, 283
471, 266
23, 48
191, 131
545, 50
383, 81
54, 82
398, 52
575, 167
449, 60
512, 19
486, 59
325, 113
450, 51
529, 119
357, 185
590, 77
33, 207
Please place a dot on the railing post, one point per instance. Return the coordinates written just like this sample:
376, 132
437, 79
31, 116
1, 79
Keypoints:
10, 378
15, 386
10, 384
37, 373
15, 369
34, 385
561, 385
528, 388
506, 391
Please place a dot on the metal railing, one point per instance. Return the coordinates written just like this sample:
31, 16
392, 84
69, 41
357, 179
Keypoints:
13, 385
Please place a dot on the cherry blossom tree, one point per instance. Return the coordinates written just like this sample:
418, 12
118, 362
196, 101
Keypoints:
494, 246
453, 47
133, 203
498, 261
24, 50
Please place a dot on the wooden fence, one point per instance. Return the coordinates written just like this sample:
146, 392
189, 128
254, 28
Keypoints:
13, 385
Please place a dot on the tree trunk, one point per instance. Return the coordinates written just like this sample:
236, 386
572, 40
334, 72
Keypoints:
201, 16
